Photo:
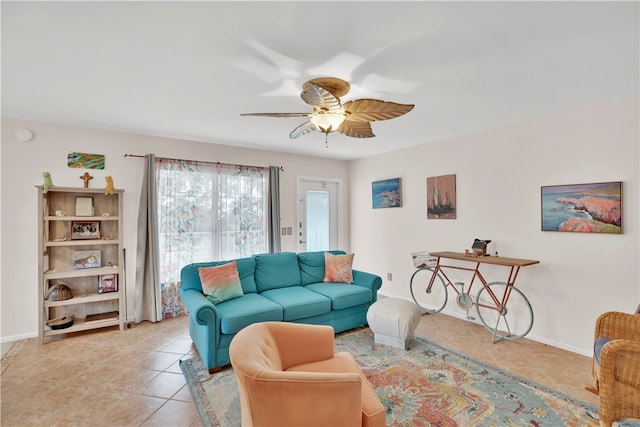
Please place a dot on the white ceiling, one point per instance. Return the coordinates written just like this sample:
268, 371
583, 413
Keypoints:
188, 69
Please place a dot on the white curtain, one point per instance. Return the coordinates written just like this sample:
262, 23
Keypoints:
196, 212
148, 295
207, 212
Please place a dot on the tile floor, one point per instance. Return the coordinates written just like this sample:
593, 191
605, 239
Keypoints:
132, 378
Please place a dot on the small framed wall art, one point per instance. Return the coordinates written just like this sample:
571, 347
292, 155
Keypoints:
386, 193
107, 283
84, 206
85, 160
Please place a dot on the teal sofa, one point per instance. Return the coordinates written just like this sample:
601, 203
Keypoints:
283, 286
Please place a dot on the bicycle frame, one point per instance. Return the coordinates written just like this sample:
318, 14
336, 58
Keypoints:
494, 303
499, 303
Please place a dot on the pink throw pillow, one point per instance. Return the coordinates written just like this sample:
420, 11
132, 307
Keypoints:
337, 268
221, 282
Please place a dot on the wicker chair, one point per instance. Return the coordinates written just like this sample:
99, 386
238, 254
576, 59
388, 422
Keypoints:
617, 376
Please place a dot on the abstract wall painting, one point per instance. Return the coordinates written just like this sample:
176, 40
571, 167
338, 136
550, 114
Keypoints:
441, 197
85, 160
582, 208
386, 193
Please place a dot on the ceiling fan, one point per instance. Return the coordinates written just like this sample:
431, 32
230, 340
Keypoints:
330, 115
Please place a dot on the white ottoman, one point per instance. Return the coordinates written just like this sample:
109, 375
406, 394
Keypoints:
393, 321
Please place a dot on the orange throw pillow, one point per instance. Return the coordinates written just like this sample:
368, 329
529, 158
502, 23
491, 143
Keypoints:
337, 268
221, 282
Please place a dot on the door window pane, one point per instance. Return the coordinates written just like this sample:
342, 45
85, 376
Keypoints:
317, 220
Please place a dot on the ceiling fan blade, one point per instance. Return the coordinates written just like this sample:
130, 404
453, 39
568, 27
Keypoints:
320, 98
356, 129
277, 114
301, 130
368, 110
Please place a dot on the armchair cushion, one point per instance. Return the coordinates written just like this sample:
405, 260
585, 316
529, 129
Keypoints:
597, 348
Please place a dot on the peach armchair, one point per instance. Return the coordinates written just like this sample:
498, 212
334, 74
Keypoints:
289, 375
616, 366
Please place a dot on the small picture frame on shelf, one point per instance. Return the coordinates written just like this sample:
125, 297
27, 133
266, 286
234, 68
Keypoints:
87, 259
84, 206
83, 230
107, 283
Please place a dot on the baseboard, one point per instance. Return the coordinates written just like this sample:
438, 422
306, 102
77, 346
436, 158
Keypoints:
12, 338
532, 337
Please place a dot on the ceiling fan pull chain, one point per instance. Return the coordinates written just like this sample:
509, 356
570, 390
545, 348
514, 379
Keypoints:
326, 140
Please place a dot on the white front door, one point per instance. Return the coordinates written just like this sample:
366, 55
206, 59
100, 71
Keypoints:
318, 214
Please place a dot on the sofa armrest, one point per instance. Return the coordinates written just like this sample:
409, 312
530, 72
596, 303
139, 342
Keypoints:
368, 280
203, 311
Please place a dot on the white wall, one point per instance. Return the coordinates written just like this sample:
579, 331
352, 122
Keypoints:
499, 173
24, 162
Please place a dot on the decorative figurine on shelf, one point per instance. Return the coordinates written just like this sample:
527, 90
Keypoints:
47, 182
86, 178
109, 189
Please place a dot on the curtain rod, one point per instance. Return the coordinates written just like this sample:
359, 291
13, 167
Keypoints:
219, 163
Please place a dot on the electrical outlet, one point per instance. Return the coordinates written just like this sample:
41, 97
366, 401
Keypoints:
389, 277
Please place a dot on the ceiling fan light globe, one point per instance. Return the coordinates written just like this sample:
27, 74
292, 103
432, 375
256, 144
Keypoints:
327, 122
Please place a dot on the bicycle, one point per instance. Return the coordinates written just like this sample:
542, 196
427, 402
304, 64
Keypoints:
502, 308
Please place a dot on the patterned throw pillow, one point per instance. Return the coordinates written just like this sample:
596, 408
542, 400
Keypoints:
337, 268
221, 282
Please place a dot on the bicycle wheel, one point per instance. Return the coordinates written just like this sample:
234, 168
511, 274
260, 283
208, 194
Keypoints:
432, 301
516, 318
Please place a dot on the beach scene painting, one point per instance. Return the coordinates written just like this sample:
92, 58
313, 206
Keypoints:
583, 208
441, 197
386, 193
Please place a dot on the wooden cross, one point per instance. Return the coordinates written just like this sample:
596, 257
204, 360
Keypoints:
86, 177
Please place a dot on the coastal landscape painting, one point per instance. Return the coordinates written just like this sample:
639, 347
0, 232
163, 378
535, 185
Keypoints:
583, 208
386, 193
441, 197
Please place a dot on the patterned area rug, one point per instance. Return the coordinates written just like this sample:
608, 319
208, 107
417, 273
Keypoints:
427, 385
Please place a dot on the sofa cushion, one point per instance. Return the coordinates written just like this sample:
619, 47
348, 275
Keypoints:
298, 302
312, 266
342, 296
237, 313
279, 270
337, 268
221, 282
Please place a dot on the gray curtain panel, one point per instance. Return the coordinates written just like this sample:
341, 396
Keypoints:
274, 209
148, 294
